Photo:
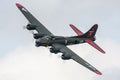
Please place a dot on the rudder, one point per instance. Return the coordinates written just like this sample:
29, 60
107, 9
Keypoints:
91, 33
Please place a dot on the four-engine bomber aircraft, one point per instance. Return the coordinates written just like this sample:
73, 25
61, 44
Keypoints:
58, 43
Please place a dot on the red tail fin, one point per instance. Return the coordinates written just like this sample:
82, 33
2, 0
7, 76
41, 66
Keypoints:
89, 34
79, 33
95, 46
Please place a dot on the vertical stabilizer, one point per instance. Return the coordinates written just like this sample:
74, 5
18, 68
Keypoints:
91, 33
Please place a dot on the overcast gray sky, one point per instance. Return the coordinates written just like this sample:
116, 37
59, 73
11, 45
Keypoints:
21, 60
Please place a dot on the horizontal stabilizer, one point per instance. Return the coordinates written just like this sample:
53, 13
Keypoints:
95, 46
91, 33
79, 33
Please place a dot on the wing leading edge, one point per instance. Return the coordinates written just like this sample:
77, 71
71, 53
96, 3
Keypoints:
66, 51
40, 28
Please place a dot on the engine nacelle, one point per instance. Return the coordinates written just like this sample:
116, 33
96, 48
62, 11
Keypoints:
66, 56
53, 50
31, 27
37, 44
36, 36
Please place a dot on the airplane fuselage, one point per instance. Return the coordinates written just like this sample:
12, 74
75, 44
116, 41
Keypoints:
48, 41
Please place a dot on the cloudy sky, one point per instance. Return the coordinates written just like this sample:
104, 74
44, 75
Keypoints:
21, 60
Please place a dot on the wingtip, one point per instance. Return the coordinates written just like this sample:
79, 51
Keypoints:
97, 72
18, 5
70, 25
103, 52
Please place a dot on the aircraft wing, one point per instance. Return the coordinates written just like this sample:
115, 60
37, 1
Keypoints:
40, 28
70, 54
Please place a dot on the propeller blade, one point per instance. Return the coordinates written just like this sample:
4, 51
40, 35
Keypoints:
24, 27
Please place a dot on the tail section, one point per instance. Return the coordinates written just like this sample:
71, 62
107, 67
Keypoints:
79, 33
93, 44
89, 34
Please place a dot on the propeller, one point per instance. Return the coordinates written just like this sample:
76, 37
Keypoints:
59, 55
32, 32
24, 27
50, 54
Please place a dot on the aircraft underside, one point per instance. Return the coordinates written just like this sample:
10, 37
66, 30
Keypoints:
48, 41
